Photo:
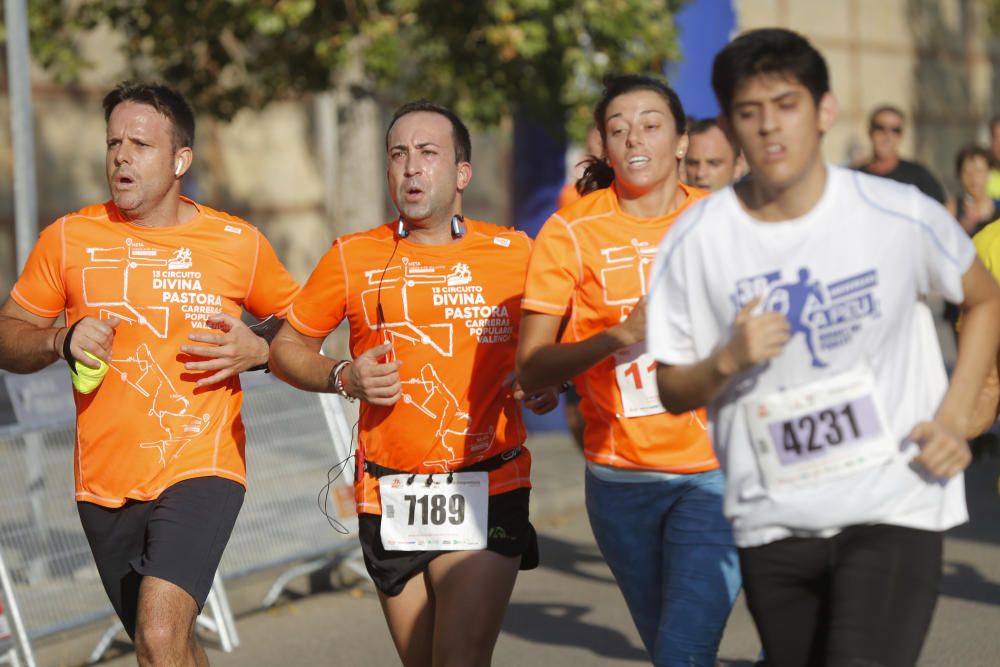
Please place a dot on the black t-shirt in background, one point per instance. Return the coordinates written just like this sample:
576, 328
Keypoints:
914, 174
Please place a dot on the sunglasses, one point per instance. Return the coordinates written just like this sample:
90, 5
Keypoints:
895, 129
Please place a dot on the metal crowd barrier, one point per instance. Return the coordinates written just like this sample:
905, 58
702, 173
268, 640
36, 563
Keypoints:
47, 575
296, 441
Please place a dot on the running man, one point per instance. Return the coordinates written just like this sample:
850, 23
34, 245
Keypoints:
433, 303
712, 161
160, 463
841, 478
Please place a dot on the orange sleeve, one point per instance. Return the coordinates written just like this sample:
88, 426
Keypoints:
322, 303
40, 289
568, 195
272, 288
554, 269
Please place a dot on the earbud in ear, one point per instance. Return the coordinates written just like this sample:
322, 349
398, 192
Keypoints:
177, 169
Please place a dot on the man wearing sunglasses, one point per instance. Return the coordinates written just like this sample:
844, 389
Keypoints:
885, 129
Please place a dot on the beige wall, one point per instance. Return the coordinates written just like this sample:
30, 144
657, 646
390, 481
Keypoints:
932, 58
264, 165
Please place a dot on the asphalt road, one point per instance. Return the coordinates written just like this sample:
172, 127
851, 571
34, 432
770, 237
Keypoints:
568, 613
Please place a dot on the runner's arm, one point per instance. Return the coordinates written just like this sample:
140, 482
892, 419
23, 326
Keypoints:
28, 343
234, 349
755, 339
544, 362
296, 359
978, 341
987, 405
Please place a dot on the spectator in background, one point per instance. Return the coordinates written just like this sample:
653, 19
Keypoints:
712, 161
885, 129
974, 207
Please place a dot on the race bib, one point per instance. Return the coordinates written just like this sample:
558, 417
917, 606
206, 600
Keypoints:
635, 371
821, 431
431, 513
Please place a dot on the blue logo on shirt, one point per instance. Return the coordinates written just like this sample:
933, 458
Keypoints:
827, 316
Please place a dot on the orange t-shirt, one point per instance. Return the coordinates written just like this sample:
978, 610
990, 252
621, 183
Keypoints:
452, 314
567, 195
592, 260
146, 427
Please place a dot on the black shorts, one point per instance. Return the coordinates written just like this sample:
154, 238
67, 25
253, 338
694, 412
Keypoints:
510, 534
179, 537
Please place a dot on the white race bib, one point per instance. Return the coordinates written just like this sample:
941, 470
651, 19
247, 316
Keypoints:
635, 371
441, 515
820, 431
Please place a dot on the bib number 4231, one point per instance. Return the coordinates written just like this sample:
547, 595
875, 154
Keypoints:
813, 432
819, 432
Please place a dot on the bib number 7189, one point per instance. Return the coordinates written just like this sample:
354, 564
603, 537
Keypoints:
434, 512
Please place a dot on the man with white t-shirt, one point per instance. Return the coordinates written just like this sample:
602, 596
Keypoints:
843, 448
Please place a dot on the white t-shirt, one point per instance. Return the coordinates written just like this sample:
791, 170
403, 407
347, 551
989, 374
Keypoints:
849, 277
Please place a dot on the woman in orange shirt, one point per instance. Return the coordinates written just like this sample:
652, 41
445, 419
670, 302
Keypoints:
653, 486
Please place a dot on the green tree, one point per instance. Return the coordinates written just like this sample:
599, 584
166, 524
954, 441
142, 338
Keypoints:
541, 59
993, 15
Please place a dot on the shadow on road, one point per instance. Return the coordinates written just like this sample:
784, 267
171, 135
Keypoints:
962, 580
571, 558
563, 625
981, 496
967, 582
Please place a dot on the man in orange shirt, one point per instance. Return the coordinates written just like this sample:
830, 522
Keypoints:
160, 470
433, 303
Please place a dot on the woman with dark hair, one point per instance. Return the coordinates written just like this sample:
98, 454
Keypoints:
974, 208
654, 491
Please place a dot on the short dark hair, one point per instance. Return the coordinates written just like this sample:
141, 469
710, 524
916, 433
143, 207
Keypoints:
882, 109
168, 103
598, 173
459, 132
973, 151
768, 51
703, 125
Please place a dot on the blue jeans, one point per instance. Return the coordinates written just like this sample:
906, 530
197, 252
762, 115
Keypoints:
671, 551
